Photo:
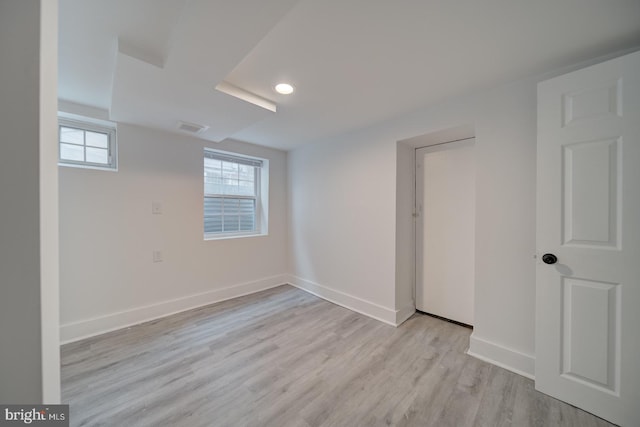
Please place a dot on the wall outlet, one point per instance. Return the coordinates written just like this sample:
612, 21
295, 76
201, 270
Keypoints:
156, 208
157, 256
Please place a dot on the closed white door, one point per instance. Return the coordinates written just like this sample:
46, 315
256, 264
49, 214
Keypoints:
588, 283
445, 230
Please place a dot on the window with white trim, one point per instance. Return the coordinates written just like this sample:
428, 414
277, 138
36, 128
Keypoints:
232, 194
84, 144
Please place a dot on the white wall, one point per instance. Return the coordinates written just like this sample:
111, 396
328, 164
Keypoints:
342, 222
108, 234
343, 215
29, 349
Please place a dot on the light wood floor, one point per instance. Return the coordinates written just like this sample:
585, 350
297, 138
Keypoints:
285, 358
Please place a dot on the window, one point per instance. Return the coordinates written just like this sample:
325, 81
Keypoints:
232, 195
86, 144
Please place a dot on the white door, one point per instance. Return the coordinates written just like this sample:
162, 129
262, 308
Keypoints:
445, 230
588, 302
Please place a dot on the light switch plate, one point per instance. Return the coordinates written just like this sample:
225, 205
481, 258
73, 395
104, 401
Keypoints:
156, 208
157, 256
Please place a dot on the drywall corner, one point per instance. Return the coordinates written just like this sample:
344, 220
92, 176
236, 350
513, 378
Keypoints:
405, 231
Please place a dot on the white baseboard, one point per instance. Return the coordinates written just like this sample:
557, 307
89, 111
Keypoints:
512, 360
351, 302
86, 328
507, 358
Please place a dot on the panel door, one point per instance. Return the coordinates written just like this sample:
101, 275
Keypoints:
588, 198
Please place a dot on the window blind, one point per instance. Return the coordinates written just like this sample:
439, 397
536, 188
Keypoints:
230, 158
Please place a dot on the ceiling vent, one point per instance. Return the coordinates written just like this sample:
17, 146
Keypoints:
191, 127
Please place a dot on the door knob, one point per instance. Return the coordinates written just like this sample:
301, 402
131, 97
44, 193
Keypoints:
549, 258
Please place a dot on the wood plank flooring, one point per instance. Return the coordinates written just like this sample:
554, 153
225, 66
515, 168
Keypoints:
285, 358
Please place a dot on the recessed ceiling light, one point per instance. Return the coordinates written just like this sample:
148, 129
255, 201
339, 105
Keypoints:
284, 88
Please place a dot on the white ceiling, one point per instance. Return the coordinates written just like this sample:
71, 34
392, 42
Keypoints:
353, 62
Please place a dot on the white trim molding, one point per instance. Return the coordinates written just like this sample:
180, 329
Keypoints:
507, 358
405, 313
75, 331
345, 300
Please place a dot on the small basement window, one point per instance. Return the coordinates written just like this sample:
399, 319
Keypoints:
87, 145
234, 203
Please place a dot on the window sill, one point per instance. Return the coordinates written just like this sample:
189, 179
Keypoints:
84, 166
232, 236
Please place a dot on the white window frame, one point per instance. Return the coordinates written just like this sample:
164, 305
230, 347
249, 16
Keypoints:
112, 146
261, 168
